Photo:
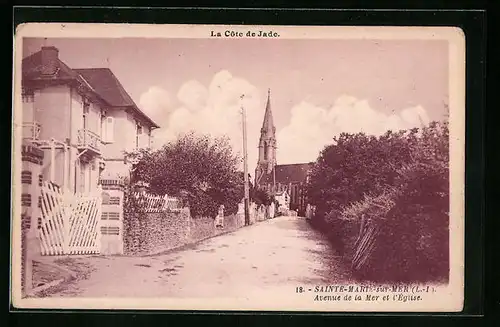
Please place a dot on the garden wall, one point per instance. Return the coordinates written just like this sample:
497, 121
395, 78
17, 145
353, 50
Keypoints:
202, 228
158, 232
161, 231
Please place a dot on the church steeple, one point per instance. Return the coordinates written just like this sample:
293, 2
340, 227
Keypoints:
268, 124
267, 143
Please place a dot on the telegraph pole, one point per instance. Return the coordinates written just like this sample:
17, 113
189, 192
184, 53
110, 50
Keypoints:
274, 176
245, 163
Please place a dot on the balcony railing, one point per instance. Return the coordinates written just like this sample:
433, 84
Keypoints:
89, 140
31, 130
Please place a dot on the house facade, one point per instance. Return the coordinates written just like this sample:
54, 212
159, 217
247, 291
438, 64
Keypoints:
283, 199
125, 127
83, 119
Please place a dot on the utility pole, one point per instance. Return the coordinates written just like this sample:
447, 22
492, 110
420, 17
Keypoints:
274, 176
245, 163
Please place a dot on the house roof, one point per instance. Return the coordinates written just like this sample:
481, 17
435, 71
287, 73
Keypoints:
32, 69
107, 85
101, 81
285, 174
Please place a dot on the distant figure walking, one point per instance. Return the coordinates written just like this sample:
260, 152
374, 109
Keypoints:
219, 220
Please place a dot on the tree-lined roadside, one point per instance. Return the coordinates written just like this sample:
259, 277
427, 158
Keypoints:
399, 184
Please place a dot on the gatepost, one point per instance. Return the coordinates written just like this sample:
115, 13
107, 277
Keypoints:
31, 182
111, 232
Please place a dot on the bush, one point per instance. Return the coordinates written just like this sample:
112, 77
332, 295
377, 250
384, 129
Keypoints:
261, 197
399, 183
419, 224
200, 170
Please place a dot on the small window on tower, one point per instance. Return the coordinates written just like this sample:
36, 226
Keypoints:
265, 150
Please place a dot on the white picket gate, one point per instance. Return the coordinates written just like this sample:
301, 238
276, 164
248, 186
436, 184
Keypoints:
69, 222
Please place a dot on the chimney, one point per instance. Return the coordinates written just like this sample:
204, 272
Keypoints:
50, 56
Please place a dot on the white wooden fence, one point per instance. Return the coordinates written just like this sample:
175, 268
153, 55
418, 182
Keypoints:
69, 222
157, 203
365, 245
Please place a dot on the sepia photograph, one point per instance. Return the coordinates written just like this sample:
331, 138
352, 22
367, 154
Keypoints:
198, 167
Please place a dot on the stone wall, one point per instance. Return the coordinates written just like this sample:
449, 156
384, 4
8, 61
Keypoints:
162, 231
204, 227
147, 233
158, 232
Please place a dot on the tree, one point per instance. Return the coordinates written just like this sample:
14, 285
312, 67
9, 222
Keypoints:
356, 164
399, 181
260, 196
199, 169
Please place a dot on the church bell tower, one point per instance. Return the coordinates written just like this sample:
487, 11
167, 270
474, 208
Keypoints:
267, 145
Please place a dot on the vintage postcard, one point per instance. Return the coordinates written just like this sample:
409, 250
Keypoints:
266, 168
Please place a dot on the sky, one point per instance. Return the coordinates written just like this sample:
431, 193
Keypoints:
319, 88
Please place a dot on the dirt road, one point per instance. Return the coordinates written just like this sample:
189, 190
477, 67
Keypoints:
279, 253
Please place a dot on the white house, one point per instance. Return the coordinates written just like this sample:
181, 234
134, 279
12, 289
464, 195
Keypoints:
283, 199
83, 119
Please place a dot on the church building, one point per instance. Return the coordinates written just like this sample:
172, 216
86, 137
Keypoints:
278, 178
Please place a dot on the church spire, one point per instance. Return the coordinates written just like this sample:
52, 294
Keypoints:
267, 144
268, 124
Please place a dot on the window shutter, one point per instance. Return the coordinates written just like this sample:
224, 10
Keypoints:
110, 124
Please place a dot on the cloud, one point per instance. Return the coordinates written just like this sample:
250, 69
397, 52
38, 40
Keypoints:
312, 127
157, 103
216, 109
193, 95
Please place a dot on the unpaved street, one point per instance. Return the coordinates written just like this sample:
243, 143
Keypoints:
280, 253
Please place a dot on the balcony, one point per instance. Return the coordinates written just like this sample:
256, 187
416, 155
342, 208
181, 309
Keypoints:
31, 131
89, 141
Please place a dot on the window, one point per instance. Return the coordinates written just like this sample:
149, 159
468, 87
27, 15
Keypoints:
84, 181
265, 150
86, 106
86, 109
82, 176
103, 127
107, 129
149, 137
138, 135
102, 121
